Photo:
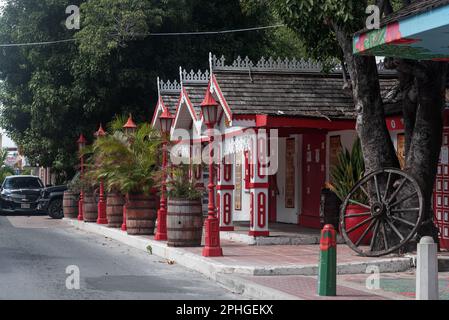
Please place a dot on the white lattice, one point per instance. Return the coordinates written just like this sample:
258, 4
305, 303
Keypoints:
195, 77
277, 65
169, 86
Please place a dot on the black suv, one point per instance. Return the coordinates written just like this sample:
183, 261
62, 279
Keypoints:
27, 194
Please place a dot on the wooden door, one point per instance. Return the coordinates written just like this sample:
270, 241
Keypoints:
313, 178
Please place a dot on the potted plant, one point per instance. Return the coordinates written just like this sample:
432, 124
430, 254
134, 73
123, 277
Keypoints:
127, 161
349, 169
115, 200
184, 209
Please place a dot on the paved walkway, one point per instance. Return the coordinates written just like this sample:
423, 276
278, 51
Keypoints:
283, 255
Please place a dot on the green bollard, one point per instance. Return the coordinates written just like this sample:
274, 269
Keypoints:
327, 272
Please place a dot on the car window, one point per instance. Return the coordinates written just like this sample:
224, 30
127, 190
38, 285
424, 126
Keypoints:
22, 183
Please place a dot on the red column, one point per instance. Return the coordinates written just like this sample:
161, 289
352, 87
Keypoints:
102, 218
161, 232
81, 200
124, 215
212, 240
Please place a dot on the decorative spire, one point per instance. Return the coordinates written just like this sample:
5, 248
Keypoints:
180, 77
100, 132
130, 124
81, 139
158, 87
211, 63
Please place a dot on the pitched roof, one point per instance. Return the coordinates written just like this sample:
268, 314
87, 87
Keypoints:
170, 93
289, 91
196, 93
170, 101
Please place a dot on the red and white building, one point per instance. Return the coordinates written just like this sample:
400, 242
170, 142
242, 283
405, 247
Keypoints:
312, 116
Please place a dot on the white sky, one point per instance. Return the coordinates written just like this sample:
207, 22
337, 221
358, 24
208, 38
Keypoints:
6, 141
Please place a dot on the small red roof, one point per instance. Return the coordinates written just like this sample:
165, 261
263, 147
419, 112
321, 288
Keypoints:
130, 124
209, 99
100, 132
81, 139
166, 114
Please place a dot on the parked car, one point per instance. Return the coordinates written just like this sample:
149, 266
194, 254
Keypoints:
51, 201
27, 194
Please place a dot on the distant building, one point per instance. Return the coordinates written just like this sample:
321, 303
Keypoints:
14, 158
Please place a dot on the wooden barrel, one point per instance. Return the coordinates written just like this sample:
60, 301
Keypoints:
70, 204
114, 209
184, 223
90, 209
140, 214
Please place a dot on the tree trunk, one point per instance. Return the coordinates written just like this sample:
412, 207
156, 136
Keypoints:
422, 158
423, 87
377, 146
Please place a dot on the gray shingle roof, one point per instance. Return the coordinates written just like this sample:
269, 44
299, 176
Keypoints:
171, 101
314, 95
196, 93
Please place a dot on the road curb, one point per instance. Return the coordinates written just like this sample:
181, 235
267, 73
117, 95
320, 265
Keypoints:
228, 276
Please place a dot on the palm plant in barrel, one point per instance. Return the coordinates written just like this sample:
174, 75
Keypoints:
350, 169
127, 161
115, 199
184, 209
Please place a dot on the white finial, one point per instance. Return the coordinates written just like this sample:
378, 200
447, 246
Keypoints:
158, 88
180, 77
211, 63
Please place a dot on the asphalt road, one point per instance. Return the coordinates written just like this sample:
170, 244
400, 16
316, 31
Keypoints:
36, 251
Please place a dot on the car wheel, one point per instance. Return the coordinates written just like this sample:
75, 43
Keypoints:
55, 209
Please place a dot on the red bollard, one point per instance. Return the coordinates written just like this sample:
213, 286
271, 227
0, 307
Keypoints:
124, 217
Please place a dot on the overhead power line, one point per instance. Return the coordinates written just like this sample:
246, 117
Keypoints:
34, 43
199, 33
160, 34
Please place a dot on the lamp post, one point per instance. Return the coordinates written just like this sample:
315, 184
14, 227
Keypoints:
81, 144
102, 218
130, 128
212, 240
166, 120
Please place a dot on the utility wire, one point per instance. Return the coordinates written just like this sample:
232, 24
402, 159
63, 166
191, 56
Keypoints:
34, 43
199, 33
160, 34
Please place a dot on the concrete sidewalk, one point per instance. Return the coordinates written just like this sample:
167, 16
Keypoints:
262, 272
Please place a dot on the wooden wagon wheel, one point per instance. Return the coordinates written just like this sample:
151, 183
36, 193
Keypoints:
393, 210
